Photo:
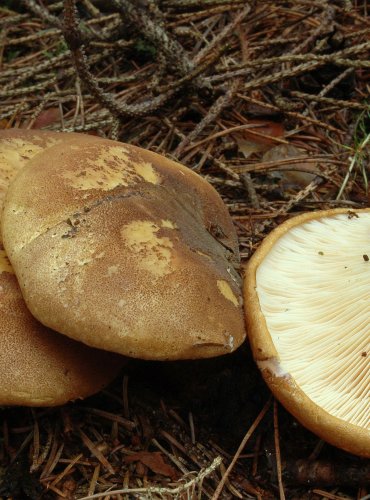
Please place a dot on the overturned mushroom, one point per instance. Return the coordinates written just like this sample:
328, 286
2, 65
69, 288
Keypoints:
125, 250
307, 302
39, 367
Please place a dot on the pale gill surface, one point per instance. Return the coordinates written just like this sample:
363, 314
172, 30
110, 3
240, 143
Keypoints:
314, 290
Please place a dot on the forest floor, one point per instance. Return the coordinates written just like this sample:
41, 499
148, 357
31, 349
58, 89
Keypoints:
269, 101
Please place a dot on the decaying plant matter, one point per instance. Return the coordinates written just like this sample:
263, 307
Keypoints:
269, 102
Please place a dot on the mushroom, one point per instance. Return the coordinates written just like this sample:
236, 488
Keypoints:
307, 303
125, 250
39, 367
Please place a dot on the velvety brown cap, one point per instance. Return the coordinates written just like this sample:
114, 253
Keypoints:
125, 250
39, 367
307, 305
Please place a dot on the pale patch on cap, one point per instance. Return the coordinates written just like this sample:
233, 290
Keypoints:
14, 153
169, 224
204, 255
112, 270
18, 151
112, 167
147, 172
226, 291
153, 253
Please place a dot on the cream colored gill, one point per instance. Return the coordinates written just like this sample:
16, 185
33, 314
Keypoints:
314, 291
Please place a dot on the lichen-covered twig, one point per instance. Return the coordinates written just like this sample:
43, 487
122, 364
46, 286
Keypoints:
171, 52
212, 114
73, 38
182, 4
42, 12
228, 29
325, 26
174, 53
37, 69
330, 100
150, 491
340, 58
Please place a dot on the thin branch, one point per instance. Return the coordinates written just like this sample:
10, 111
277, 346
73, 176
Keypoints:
338, 58
73, 38
182, 488
173, 52
246, 438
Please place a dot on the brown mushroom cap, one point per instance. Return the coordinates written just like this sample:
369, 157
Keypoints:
307, 303
39, 367
125, 250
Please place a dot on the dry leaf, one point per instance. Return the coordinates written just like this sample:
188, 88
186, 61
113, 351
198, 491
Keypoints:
266, 128
290, 179
47, 117
258, 138
155, 462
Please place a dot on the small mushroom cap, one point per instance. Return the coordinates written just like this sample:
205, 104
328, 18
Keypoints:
39, 367
125, 250
307, 306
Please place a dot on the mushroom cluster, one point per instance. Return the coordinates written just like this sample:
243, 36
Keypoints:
118, 248
307, 302
39, 367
